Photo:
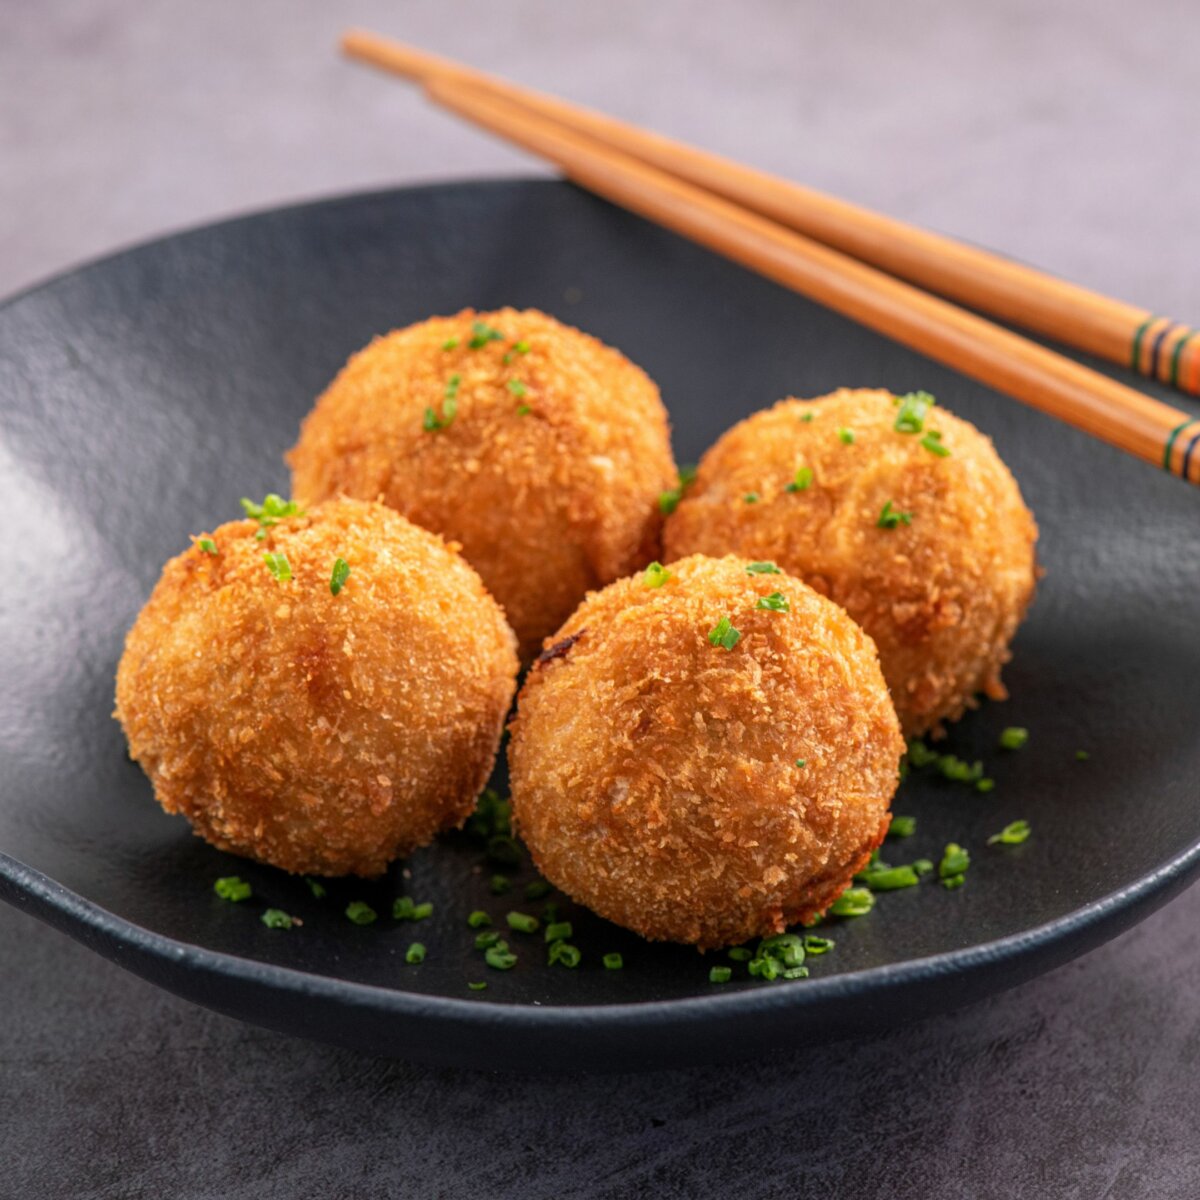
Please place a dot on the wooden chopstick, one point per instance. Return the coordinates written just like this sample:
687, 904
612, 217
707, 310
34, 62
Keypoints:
1156, 346
1092, 402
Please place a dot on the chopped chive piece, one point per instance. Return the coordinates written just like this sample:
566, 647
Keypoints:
890, 517
360, 912
932, 442
507, 358
500, 957
817, 945
763, 568
403, 908
522, 347
922, 866
740, 954
430, 422
775, 602
478, 919
276, 918
985, 785
489, 937
500, 884
341, 572
955, 860
655, 575
450, 344
523, 410
279, 566
492, 815
482, 334
890, 879
687, 475
751, 497
807, 417
787, 948
558, 931
853, 902
765, 968
421, 911
317, 889
796, 973
668, 501
902, 827
1011, 835
960, 771
479, 986
565, 953
230, 887
953, 881
517, 388
1013, 738
415, 953
207, 545
613, 962
1082, 756
846, 437
802, 762
550, 913
723, 634
271, 511
920, 754
522, 922
801, 481
913, 407
537, 890
720, 974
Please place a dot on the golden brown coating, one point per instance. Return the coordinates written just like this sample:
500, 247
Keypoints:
548, 474
941, 596
320, 733
654, 775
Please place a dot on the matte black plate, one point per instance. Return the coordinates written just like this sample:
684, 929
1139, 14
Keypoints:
143, 395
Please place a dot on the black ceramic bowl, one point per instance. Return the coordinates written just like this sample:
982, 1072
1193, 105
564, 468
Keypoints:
143, 395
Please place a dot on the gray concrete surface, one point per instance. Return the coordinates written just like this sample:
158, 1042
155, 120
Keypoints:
1059, 132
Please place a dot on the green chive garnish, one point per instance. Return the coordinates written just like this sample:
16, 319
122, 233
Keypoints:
341, 572
1013, 738
775, 602
230, 887
985, 785
720, 974
489, 937
558, 931
500, 957
360, 912
613, 962
846, 437
478, 987
1082, 756
913, 407
902, 827
1011, 835
655, 575
932, 442
500, 884
482, 334
517, 388
207, 545
276, 918
920, 755
279, 567
522, 922
890, 517
816, 946
404, 909
271, 511
415, 953
317, 889
853, 902
478, 919
740, 954
723, 634
522, 347
537, 890
802, 762
952, 868
801, 481
751, 497
786, 948
890, 879
763, 568
523, 410
565, 953
450, 344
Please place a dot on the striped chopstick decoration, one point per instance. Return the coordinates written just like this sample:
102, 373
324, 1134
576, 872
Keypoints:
1165, 350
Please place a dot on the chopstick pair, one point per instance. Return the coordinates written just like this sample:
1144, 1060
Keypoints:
753, 218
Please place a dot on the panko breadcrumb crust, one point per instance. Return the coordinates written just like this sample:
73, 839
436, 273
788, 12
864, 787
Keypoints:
319, 733
548, 475
941, 597
654, 776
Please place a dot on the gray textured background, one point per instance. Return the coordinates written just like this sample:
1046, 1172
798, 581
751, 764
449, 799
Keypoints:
1061, 133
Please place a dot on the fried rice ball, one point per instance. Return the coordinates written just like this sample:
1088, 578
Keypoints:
321, 733
697, 781
539, 449
921, 536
